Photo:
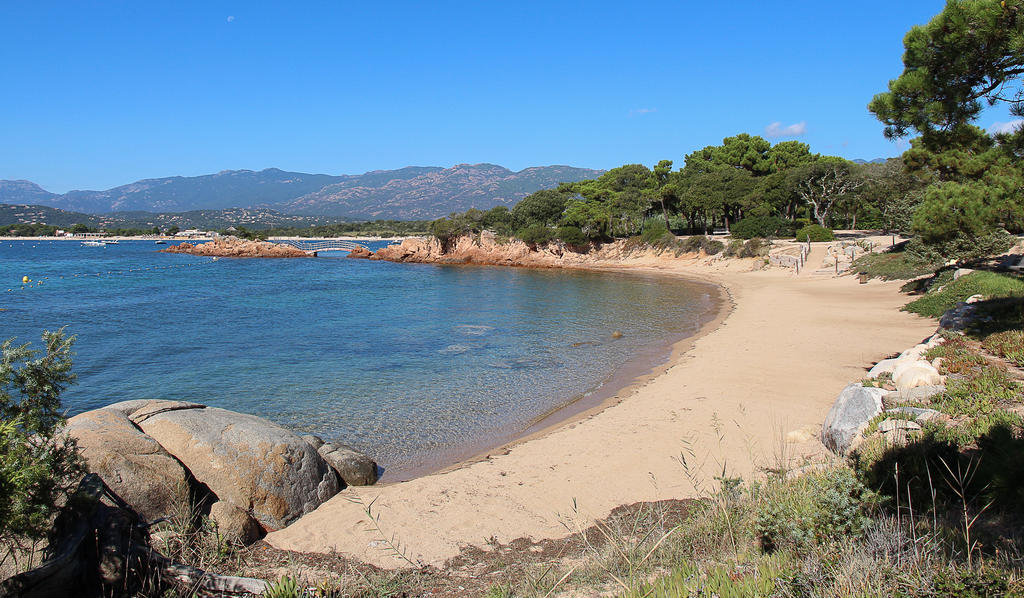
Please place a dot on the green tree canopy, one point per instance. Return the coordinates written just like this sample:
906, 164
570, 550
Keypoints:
544, 207
973, 51
745, 151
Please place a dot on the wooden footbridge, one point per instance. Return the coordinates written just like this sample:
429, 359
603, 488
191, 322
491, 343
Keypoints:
315, 246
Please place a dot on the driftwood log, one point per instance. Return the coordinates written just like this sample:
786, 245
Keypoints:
103, 550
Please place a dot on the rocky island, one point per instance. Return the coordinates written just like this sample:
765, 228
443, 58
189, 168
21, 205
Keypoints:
235, 247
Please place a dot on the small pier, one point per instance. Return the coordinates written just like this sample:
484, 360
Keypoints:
315, 246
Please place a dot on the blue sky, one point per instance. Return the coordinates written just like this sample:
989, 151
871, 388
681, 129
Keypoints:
97, 94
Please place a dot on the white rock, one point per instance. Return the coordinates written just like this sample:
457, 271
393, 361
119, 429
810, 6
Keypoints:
920, 374
882, 367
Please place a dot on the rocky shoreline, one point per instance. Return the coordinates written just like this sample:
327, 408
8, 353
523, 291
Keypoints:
487, 249
235, 247
250, 476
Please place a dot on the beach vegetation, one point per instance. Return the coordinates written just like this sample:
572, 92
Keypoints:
814, 233
1008, 344
39, 466
990, 285
535, 234
656, 232
572, 236
765, 227
756, 247
895, 264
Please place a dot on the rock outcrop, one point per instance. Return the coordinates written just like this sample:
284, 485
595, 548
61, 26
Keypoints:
247, 461
487, 249
132, 463
235, 247
174, 458
360, 253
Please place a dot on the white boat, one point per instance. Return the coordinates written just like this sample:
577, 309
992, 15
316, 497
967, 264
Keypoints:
94, 243
109, 241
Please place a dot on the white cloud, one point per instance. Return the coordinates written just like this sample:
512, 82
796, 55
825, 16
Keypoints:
231, 18
1007, 127
636, 111
776, 129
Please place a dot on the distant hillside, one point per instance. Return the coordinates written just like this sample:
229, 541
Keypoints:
435, 193
32, 214
250, 218
23, 192
415, 192
228, 189
874, 161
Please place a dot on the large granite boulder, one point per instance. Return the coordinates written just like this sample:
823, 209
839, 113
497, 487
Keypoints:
355, 468
257, 466
849, 415
132, 463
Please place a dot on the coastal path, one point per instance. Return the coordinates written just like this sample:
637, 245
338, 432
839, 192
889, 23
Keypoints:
318, 245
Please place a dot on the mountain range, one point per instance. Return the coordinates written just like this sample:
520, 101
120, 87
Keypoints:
250, 218
411, 193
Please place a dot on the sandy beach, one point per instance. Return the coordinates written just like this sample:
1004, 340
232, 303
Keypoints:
752, 388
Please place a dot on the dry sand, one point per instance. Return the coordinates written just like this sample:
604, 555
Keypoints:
770, 366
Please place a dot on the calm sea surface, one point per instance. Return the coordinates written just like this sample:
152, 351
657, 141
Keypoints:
413, 364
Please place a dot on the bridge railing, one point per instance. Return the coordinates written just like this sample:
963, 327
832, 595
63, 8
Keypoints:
322, 244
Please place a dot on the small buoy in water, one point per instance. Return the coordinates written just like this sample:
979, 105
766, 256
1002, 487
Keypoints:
617, 334
24, 279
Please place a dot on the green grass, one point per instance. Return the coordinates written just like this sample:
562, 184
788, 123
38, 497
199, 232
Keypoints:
988, 284
892, 265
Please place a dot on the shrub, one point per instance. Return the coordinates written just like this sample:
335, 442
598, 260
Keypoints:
655, 232
38, 465
762, 226
536, 234
822, 508
734, 248
701, 243
814, 232
962, 247
753, 248
893, 265
987, 284
572, 235
447, 230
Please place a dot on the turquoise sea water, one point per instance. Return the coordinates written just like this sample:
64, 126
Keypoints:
414, 364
